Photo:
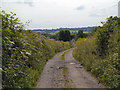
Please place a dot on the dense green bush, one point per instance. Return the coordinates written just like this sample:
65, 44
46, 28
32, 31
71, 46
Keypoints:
103, 34
24, 53
85, 51
106, 44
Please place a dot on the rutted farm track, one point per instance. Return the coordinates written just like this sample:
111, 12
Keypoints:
66, 73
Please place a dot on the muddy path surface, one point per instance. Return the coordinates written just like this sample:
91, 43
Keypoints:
66, 73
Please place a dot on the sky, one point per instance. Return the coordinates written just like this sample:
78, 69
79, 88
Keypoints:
50, 14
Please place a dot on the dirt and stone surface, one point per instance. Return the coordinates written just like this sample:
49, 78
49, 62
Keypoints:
67, 73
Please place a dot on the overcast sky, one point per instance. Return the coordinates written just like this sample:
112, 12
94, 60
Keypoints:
62, 13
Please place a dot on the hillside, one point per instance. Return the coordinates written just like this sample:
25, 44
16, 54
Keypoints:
74, 30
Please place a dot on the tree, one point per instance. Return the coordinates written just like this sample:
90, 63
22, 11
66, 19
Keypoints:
80, 34
64, 35
103, 34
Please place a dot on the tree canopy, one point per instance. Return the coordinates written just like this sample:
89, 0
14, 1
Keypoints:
64, 35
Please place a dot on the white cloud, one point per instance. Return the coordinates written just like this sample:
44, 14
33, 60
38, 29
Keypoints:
61, 13
80, 7
94, 15
28, 2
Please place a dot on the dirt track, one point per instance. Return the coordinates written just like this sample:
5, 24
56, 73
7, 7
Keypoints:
67, 73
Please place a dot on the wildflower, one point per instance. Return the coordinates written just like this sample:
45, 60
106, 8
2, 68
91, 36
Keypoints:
27, 53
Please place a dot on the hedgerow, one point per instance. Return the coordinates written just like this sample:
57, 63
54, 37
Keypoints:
100, 53
25, 53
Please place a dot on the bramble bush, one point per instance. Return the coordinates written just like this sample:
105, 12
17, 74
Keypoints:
25, 53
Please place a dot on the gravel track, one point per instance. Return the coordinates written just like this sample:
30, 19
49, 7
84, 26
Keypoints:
53, 76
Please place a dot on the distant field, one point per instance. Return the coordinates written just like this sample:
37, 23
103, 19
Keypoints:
54, 32
72, 30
